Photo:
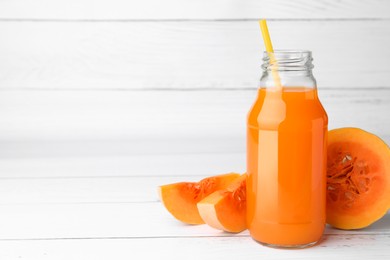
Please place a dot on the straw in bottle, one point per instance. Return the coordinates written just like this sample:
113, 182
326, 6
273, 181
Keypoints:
270, 50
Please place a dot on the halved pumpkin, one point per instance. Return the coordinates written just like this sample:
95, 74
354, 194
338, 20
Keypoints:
358, 178
226, 209
180, 198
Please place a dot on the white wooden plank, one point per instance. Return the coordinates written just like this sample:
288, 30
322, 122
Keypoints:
122, 116
117, 220
136, 193
186, 164
156, 122
340, 247
185, 55
32, 230
86, 190
187, 9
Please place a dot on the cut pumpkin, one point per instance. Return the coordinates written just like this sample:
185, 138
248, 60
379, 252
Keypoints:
180, 198
358, 178
226, 209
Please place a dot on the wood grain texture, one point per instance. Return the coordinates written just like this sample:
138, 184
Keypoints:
50, 164
117, 220
116, 164
102, 101
76, 228
85, 190
161, 119
187, 9
358, 247
185, 55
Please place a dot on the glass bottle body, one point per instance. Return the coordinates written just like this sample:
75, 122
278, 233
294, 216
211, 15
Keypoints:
286, 154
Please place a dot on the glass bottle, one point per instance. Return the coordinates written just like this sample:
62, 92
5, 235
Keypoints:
286, 154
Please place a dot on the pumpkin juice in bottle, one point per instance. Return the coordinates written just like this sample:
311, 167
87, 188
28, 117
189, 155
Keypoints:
286, 154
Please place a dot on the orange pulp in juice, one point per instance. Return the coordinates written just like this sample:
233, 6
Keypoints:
286, 167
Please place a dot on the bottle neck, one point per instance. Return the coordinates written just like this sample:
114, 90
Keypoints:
292, 68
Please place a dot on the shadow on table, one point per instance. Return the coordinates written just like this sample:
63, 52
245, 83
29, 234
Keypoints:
380, 226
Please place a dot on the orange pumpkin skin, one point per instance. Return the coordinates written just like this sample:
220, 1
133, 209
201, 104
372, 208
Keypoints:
226, 209
180, 198
358, 178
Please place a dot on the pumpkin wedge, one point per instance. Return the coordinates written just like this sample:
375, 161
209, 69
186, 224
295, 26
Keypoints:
226, 209
358, 178
180, 198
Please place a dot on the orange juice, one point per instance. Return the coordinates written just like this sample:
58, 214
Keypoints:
286, 167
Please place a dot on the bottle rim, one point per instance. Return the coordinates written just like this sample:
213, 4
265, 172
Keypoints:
290, 51
287, 60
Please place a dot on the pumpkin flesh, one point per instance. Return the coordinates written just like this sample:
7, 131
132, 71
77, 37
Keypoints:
358, 178
180, 198
226, 209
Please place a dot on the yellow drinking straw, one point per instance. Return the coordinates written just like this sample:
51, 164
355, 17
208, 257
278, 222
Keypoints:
266, 37
270, 50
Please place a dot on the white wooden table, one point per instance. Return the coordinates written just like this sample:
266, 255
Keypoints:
96, 215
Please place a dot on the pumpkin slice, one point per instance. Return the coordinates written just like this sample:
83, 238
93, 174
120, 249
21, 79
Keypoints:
180, 198
358, 178
226, 209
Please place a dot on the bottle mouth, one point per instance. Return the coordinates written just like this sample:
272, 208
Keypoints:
288, 60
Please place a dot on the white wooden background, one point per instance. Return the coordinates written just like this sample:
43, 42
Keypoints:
102, 101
